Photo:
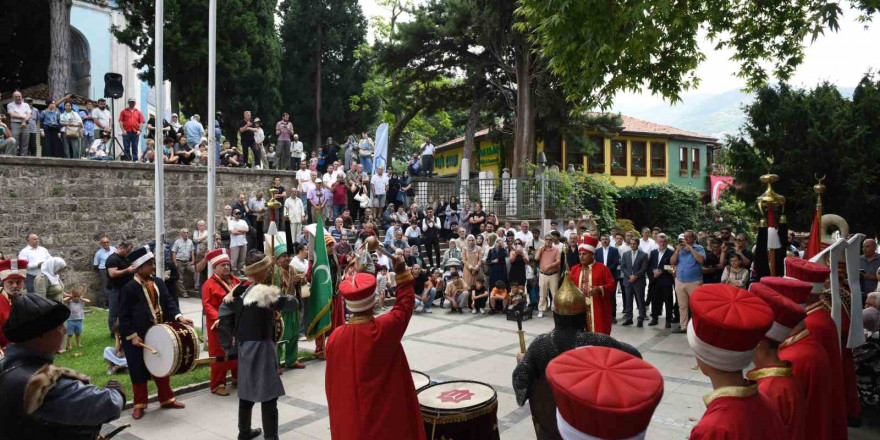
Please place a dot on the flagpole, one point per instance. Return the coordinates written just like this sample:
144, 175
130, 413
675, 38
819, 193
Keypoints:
212, 141
160, 107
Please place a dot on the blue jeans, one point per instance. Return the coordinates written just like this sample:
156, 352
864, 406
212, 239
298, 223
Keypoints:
337, 211
427, 304
29, 282
130, 144
367, 162
534, 294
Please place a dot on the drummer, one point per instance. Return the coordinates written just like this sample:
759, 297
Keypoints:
221, 283
143, 303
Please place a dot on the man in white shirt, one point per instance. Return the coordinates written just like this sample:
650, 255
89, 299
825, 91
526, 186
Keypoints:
296, 153
427, 152
572, 229
102, 118
18, 113
35, 256
646, 243
379, 182
238, 230
524, 234
304, 187
330, 176
294, 210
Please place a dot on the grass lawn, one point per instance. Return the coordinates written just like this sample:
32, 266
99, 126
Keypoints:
89, 359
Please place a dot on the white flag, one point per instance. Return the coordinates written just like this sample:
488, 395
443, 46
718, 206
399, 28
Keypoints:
380, 156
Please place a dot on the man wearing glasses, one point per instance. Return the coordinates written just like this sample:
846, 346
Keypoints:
741, 248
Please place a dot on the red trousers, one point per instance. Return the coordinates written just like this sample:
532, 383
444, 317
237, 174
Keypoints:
219, 369
166, 396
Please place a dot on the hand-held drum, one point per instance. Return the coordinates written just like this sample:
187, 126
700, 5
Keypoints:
176, 345
420, 380
279, 328
462, 410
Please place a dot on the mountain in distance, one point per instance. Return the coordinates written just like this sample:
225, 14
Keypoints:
714, 114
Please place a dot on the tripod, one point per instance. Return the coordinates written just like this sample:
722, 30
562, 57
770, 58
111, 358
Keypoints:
124, 156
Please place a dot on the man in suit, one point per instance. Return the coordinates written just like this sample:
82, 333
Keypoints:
634, 265
661, 281
610, 256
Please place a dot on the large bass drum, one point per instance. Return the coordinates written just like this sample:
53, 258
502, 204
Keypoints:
177, 348
420, 380
460, 410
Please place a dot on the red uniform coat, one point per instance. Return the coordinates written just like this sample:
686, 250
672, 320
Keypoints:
601, 277
5, 308
810, 366
823, 329
370, 392
213, 292
738, 413
782, 391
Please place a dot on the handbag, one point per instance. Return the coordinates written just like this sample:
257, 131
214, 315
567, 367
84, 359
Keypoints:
363, 200
304, 291
72, 132
365, 152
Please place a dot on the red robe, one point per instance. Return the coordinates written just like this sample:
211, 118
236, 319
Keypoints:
601, 277
5, 308
213, 293
738, 413
823, 329
810, 366
782, 392
370, 392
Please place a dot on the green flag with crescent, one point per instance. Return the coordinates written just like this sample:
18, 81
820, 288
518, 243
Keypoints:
318, 309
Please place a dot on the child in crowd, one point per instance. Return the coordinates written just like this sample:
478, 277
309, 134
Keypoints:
516, 295
202, 155
381, 286
114, 356
271, 157
479, 296
75, 302
499, 295
150, 154
313, 162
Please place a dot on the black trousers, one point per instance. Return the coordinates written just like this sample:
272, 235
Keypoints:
253, 147
294, 164
432, 242
662, 298
269, 410
614, 299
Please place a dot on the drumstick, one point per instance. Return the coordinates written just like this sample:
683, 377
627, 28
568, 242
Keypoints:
153, 350
522, 335
211, 360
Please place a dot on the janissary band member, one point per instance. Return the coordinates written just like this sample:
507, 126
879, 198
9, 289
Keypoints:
776, 381
728, 322
221, 283
143, 303
12, 277
288, 279
596, 281
529, 382
376, 400
254, 305
39, 400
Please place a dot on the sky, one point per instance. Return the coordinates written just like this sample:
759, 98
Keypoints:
841, 58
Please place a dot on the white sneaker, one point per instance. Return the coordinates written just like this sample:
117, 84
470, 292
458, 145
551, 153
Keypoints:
540, 314
430, 311
420, 309
473, 311
483, 311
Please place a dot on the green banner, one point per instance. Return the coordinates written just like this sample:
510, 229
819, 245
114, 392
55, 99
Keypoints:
321, 298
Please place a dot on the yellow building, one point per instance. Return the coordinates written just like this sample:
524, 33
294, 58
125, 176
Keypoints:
642, 153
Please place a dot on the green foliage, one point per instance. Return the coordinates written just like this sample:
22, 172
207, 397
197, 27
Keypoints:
674, 208
799, 133
598, 48
625, 225
578, 193
329, 32
730, 211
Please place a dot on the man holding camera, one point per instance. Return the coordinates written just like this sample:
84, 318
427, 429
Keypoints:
688, 261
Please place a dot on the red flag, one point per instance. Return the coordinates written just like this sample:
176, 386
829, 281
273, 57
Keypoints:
813, 247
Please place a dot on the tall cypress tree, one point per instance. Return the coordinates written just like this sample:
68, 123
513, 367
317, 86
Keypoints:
321, 67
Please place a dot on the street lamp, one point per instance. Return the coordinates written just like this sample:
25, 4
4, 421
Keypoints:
542, 167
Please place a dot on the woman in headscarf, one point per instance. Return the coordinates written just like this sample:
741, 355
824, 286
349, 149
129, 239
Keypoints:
452, 215
48, 283
471, 257
497, 260
452, 256
393, 189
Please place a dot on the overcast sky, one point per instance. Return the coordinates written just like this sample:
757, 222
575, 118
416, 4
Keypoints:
841, 58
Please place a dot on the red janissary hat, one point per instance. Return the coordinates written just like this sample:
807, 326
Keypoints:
803, 270
786, 314
795, 290
359, 292
728, 322
217, 256
587, 243
603, 393
13, 268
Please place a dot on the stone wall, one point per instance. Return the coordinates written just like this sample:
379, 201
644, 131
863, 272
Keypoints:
70, 204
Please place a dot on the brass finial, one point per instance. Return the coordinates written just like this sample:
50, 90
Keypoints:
569, 300
273, 202
819, 189
770, 199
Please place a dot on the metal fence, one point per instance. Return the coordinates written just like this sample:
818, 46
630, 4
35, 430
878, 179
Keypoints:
512, 198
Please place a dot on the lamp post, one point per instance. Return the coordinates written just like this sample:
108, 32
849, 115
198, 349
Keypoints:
542, 167
159, 179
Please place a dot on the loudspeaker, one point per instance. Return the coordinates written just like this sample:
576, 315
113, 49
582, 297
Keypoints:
113, 85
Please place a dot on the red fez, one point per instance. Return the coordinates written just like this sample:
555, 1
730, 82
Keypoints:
728, 322
803, 270
217, 256
13, 268
603, 393
359, 291
786, 314
588, 243
795, 290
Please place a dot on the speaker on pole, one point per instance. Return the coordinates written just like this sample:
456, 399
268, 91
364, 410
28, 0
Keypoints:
113, 85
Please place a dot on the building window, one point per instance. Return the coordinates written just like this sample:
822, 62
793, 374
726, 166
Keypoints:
452, 160
573, 156
596, 161
658, 159
710, 157
695, 162
618, 158
639, 151
683, 162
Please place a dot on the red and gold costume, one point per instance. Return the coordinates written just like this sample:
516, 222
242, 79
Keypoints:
589, 277
370, 392
783, 392
811, 369
5, 308
737, 413
9, 269
213, 292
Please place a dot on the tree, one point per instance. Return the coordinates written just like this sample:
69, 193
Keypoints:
59, 58
26, 44
248, 54
799, 134
322, 66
